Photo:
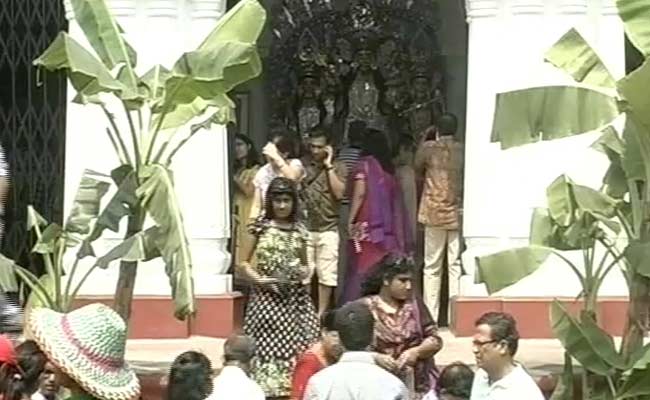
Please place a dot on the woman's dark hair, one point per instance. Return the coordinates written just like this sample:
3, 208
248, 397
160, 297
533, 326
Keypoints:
252, 158
19, 379
456, 380
285, 144
385, 270
375, 144
190, 377
278, 186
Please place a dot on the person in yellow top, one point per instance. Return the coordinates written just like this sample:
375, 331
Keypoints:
247, 163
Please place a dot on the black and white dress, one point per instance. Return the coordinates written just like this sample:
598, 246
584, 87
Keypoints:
283, 324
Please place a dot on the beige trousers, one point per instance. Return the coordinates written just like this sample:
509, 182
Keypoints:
436, 241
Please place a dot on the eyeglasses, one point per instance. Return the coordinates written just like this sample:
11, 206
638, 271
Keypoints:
480, 344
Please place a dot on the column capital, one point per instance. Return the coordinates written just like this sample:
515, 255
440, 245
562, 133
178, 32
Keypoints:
482, 8
572, 7
207, 9
163, 8
123, 8
524, 7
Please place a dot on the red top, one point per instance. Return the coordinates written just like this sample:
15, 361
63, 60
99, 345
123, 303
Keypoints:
308, 364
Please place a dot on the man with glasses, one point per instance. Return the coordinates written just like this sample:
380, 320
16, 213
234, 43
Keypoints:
499, 377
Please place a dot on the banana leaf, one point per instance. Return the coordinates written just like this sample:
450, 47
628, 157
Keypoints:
154, 80
159, 199
615, 178
120, 206
34, 219
226, 58
223, 108
48, 241
575, 56
632, 161
541, 228
8, 282
105, 36
636, 19
87, 202
636, 384
633, 89
561, 203
576, 342
505, 268
547, 113
139, 247
593, 201
638, 256
86, 73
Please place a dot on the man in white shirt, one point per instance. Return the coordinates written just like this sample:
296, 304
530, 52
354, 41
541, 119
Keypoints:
233, 381
355, 376
499, 377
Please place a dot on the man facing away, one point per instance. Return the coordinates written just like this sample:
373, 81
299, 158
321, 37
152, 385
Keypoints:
233, 381
355, 376
499, 377
441, 161
323, 187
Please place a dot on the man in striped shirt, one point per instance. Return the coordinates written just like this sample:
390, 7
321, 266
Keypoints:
4, 189
348, 156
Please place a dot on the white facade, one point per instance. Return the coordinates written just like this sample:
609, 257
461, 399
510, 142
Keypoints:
160, 31
507, 42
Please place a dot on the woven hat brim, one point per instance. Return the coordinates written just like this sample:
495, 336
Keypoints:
90, 376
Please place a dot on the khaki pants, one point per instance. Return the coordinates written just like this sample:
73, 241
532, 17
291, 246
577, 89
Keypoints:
323, 256
435, 242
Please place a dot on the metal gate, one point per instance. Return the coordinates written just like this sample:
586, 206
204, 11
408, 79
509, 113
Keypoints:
32, 118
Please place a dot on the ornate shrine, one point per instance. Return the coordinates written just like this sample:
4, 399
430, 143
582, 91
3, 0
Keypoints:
332, 62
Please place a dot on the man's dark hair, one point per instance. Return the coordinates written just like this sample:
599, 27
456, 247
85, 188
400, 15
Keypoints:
320, 132
285, 144
328, 320
503, 328
356, 130
447, 124
190, 377
355, 325
456, 380
239, 348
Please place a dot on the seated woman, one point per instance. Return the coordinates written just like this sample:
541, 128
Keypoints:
323, 353
404, 329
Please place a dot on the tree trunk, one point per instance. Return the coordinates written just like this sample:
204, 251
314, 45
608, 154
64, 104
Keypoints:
128, 271
638, 316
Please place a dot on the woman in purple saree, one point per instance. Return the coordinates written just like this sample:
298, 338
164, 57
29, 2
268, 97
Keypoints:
377, 224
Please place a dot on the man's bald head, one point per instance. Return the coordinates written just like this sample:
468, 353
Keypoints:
239, 348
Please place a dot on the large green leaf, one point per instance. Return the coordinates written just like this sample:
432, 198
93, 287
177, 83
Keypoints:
561, 203
505, 268
615, 178
226, 58
633, 89
564, 388
574, 55
541, 228
159, 199
86, 73
48, 241
139, 247
593, 201
632, 161
155, 79
546, 113
221, 106
87, 202
576, 342
34, 219
636, 19
8, 282
636, 384
638, 257
121, 205
105, 36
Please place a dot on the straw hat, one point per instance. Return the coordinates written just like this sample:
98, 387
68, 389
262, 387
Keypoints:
88, 345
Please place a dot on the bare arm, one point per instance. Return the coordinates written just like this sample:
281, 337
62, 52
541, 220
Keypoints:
245, 185
288, 171
429, 347
337, 184
358, 195
256, 207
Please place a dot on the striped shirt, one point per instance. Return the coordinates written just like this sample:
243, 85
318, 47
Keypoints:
4, 167
349, 157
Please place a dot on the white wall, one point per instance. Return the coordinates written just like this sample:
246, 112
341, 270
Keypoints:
507, 42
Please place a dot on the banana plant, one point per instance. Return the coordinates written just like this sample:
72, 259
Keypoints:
155, 109
610, 226
58, 287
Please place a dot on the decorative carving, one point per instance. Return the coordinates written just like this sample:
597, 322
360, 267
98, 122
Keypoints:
482, 8
123, 8
163, 8
207, 9
350, 59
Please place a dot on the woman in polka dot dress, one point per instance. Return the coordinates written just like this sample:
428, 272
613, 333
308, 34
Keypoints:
280, 315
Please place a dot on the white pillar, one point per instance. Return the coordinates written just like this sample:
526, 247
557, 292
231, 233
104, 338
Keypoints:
160, 31
507, 42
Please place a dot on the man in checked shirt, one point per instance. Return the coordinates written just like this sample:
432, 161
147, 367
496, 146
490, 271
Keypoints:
4, 189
